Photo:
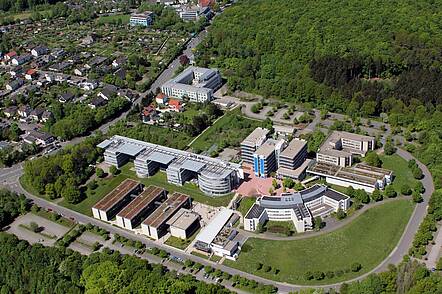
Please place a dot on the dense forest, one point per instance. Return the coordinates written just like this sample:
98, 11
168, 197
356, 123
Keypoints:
61, 175
20, 5
36, 269
329, 51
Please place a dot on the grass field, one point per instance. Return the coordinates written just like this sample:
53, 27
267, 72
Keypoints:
114, 19
368, 240
228, 131
159, 179
402, 173
245, 204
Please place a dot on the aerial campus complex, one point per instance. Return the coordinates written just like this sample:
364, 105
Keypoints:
213, 176
196, 83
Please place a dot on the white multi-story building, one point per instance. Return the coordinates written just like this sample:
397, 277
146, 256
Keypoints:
196, 83
299, 207
144, 19
340, 147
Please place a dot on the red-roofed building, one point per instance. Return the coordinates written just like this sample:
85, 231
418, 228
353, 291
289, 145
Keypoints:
149, 114
10, 55
205, 3
161, 98
175, 105
31, 74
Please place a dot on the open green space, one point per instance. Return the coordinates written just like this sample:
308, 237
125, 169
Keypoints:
367, 240
159, 179
119, 18
228, 131
245, 204
402, 173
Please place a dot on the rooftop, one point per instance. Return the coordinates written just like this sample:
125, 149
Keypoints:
295, 146
328, 147
163, 213
209, 232
255, 138
116, 195
146, 198
145, 151
183, 219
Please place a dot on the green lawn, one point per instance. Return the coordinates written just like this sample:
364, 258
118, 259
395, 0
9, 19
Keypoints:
368, 240
228, 131
402, 173
159, 179
114, 18
245, 204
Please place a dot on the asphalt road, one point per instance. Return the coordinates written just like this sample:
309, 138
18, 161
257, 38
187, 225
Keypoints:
9, 178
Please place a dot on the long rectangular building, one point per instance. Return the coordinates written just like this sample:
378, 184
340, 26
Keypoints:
196, 83
155, 226
133, 214
108, 207
360, 176
215, 177
339, 148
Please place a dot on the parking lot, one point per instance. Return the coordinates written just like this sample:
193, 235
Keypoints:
48, 229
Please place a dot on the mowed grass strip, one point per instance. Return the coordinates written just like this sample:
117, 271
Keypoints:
368, 240
105, 186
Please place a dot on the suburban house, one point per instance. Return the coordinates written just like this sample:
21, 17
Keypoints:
47, 115
31, 74
22, 59
66, 97
10, 111
38, 137
36, 114
149, 114
119, 61
97, 60
88, 85
24, 111
127, 94
108, 92
39, 51
15, 84
97, 102
8, 56
80, 71
175, 105
161, 98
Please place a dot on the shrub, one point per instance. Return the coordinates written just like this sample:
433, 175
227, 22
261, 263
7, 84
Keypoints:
405, 189
99, 172
355, 267
319, 275
308, 276
329, 274
113, 170
340, 214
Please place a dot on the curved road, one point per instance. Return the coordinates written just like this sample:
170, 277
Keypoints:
9, 178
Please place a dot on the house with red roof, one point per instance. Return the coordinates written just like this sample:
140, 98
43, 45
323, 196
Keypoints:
206, 3
8, 56
161, 98
31, 74
175, 105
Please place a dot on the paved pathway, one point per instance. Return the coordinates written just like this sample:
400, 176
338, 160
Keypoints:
433, 256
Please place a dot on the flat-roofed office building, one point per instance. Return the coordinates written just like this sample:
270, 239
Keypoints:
155, 225
184, 223
137, 210
112, 203
253, 141
339, 148
265, 158
144, 19
299, 207
196, 83
213, 176
359, 176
